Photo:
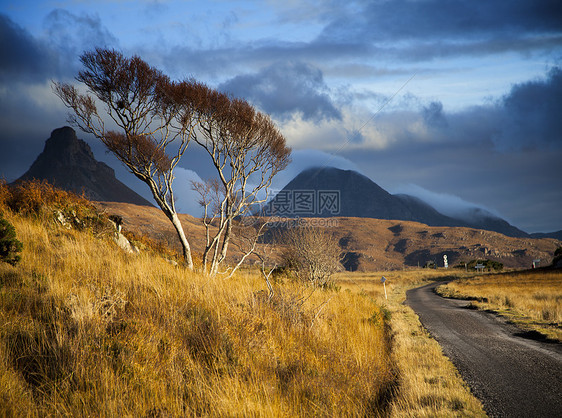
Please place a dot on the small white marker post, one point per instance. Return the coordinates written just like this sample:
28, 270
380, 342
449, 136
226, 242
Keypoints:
383, 280
445, 262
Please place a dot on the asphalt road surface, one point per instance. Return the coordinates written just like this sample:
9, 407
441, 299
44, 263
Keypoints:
513, 376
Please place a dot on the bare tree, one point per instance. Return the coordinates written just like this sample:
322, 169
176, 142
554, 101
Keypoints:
247, 151
153, 120
312, 253
210, 196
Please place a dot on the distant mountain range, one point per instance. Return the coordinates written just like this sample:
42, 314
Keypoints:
68, 163
329, 191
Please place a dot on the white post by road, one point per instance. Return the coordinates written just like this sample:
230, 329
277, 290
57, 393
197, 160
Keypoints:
383, 280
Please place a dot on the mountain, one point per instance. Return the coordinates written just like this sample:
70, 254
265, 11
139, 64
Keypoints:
430, 216
329, 191
482, 219
68, 163
556, 235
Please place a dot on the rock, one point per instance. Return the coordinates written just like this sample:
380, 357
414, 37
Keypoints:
60, 218
125, 244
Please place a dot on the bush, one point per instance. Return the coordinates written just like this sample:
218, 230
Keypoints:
488, 265
9, 245
312, 254
430, 265
36, 197
42, 200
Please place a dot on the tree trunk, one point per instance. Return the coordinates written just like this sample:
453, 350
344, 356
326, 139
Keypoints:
183, 240
226, 240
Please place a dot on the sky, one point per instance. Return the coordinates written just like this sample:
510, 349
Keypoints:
456, 102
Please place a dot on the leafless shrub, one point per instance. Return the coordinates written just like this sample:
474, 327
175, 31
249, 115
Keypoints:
312, 254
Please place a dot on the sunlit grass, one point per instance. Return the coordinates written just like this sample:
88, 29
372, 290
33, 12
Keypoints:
90, 330
532, 300
428, 383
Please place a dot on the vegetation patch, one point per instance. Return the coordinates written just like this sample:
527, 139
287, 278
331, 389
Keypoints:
531, 299
10, 246
93, 331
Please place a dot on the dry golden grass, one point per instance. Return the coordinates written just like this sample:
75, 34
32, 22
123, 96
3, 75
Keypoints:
428, 383
89, 330
531, 299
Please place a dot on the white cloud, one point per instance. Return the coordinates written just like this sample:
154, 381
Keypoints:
359, 129
447, 204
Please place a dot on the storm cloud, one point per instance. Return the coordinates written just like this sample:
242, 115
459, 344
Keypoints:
530, 114
36, 59
282, 89
448, 27
22, 56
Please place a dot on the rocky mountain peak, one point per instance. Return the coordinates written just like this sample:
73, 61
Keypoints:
64, 149
69, 163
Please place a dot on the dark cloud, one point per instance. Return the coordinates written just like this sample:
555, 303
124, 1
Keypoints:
417, 30
433, 115
22, 57
527, 117
438, 19
530, 115
72, 34
25, 58
283, 89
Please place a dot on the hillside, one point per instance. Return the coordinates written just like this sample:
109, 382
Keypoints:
91, 330
384, 244
329, 191
375, 244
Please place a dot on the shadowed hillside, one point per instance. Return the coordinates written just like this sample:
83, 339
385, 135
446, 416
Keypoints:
329, 191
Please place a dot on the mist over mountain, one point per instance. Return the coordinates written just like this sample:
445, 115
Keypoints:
68, 163
328, 191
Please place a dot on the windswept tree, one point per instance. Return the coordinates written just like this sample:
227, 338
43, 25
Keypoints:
247, 151
151, 120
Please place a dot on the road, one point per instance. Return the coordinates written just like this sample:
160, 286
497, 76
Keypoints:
511, 375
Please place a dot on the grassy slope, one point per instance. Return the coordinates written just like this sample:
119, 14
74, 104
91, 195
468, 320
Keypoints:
89, 330
531, 300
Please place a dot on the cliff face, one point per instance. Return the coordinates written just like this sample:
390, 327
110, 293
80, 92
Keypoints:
68, 162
